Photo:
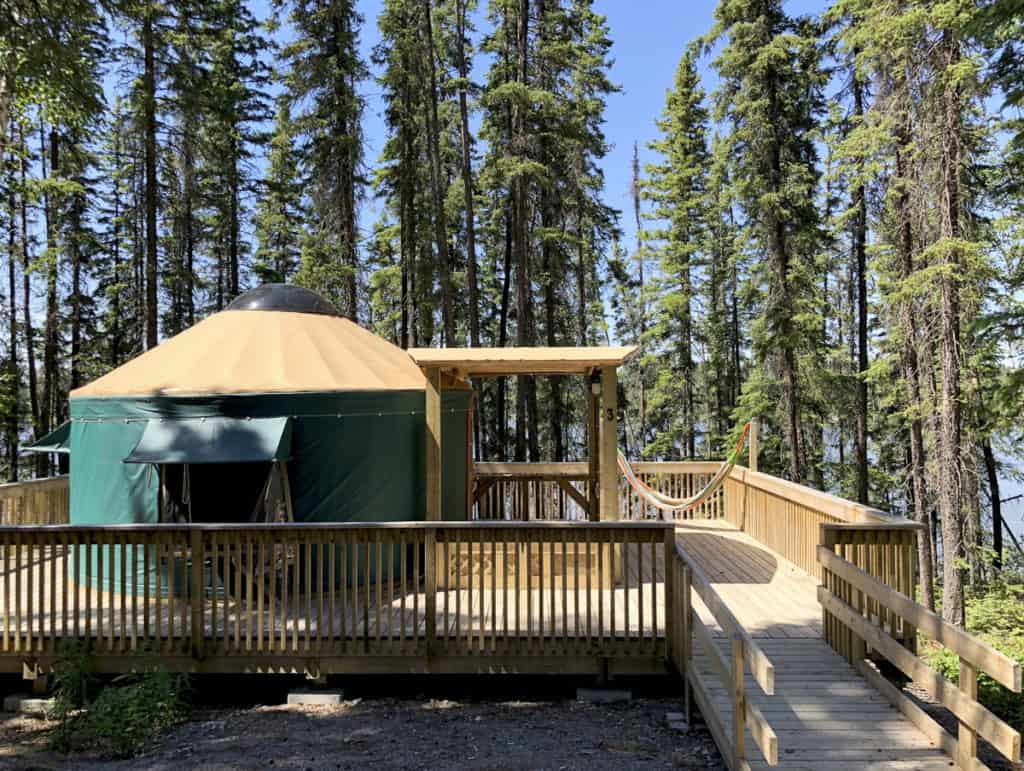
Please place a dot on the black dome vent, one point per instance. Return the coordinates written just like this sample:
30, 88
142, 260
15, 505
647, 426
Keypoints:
283, 297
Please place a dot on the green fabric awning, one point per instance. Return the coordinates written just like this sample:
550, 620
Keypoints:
213, 440
58, 440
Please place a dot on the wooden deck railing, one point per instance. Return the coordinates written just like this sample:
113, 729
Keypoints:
688, 581
523, 491
35, 502
324, 597
787, 517
863, 611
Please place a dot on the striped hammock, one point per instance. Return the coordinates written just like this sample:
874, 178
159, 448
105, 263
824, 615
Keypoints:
665, 503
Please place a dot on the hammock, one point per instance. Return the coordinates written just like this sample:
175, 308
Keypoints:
665, 503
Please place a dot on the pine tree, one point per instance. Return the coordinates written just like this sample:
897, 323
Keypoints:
677, 190
279, 220
324, 72
770, 96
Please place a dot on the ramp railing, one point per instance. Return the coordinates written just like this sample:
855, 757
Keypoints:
687, 627
866, 598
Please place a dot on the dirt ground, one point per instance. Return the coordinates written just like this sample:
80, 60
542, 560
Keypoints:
400, 733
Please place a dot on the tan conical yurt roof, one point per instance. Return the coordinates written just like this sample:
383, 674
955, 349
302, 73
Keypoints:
275, 339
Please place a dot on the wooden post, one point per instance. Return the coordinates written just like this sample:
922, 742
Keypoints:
671, 611
196, 590
752, 444
687, 643
433, 454
430, 589
609, 482
967, 738
739, 705
593, 448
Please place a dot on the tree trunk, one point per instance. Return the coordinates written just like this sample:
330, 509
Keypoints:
950, 424
524, 332
910, 366
13, 370
51, 326
234, 226
434, 145
992, 473
860, 230
506, 292
149, 126
26, 302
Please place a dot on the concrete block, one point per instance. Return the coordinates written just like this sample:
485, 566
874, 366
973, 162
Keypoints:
603, 695
316, 698
27, 705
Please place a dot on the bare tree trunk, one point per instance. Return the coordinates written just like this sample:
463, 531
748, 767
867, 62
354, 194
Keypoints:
50, 330
860, 230
635, 192
26, 309
13, 370
992, 473
506, 292
437, 194
519, 216
467, 174
233, 228
149, 126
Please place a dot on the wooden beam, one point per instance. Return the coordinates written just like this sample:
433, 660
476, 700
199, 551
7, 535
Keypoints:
433, 433
576, 495
607, 461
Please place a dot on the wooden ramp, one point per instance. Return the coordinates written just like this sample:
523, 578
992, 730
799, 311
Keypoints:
826, 716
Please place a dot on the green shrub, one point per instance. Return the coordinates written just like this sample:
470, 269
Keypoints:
122, 718
133, 711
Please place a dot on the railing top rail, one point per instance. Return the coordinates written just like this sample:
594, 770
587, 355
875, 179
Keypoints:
829, 504
57, 481
630, 525
577, 470
761, 666
518, 470
998, 665
897, 523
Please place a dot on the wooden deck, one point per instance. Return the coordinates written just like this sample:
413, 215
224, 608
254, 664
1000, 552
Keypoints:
826, 716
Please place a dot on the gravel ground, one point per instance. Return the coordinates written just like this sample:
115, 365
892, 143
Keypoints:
400, 733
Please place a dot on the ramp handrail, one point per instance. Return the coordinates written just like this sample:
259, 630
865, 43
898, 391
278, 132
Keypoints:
864, 612
688, 579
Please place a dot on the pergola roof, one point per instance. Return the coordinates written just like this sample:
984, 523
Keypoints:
469, 362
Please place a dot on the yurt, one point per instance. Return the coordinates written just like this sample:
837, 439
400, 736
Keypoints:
274, 409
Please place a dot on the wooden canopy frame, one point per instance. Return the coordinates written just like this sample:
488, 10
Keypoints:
600, 363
